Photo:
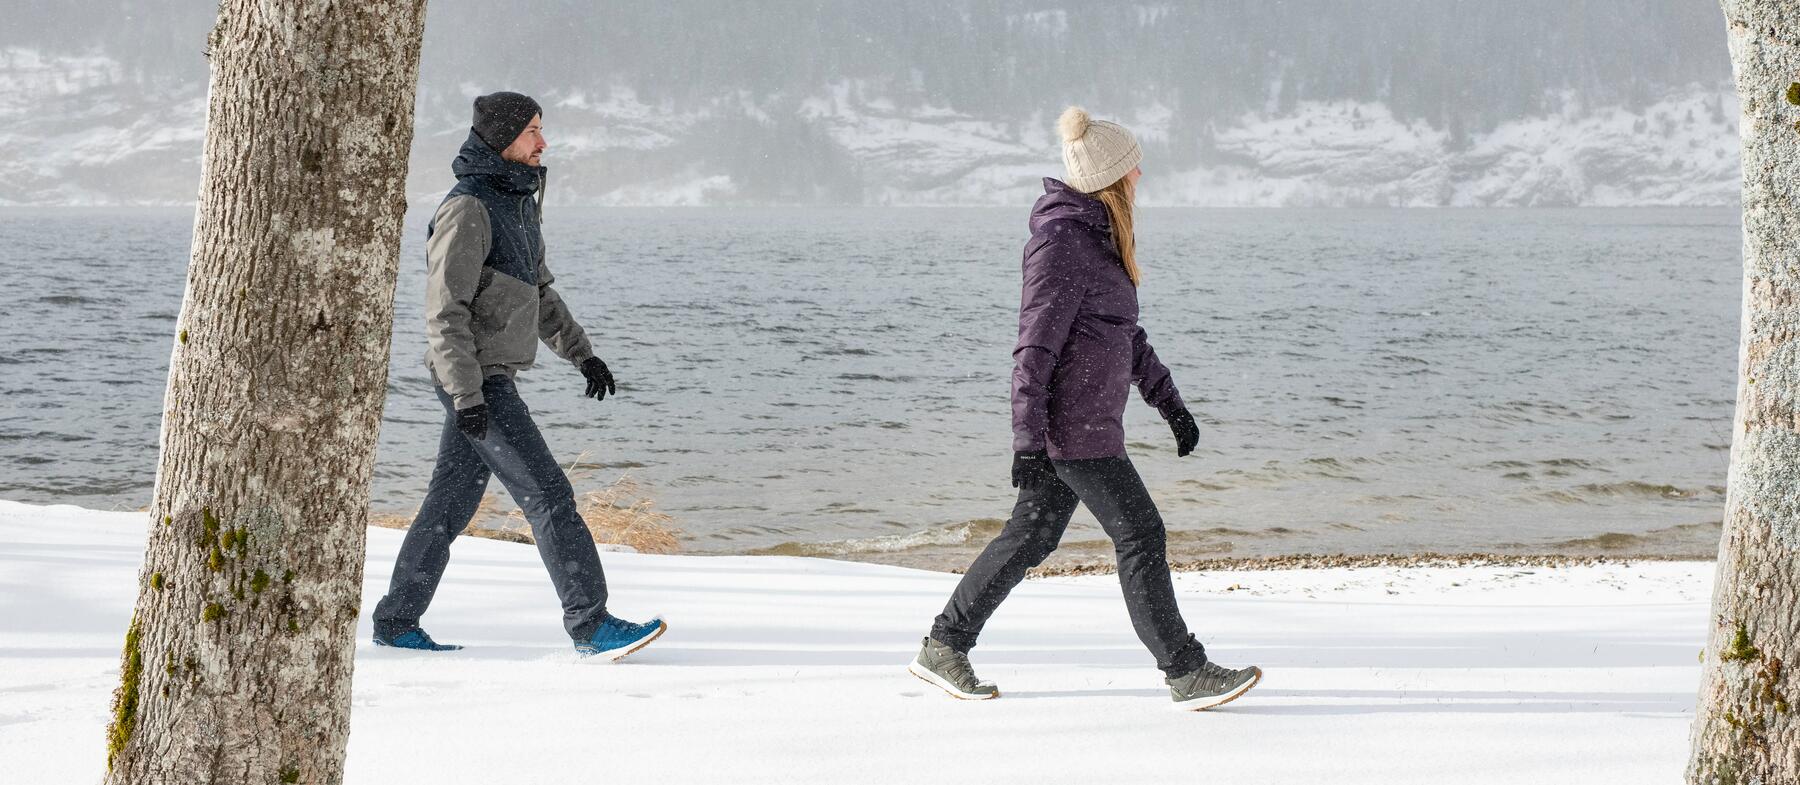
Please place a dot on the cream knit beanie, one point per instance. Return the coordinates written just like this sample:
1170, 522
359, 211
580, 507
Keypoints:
1096, 153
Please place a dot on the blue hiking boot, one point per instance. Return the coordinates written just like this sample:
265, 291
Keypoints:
415, 639
616, 637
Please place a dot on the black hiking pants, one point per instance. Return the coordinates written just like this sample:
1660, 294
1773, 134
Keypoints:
515, 452
1113, 492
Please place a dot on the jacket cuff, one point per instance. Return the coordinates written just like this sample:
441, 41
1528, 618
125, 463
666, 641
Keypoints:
467, 400
1035, 443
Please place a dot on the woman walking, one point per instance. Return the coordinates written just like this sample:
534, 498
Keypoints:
1080, 349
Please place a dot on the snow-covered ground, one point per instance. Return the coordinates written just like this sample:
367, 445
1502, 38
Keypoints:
782, 669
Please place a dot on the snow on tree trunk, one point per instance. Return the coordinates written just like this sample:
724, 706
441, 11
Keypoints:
237, 661
1746, 729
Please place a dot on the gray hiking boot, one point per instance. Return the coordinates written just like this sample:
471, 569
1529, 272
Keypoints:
1211, 685
949, 669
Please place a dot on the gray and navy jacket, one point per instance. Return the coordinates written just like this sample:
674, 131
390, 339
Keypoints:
487, 292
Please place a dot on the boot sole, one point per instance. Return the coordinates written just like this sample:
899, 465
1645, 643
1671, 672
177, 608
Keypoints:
1212, 701
614, 655
931, 678
439, 647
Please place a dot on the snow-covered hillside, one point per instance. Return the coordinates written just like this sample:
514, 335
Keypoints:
1406, 102
76, 130
118, 145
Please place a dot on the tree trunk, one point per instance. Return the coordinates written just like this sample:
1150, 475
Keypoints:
1746, 728
237, 662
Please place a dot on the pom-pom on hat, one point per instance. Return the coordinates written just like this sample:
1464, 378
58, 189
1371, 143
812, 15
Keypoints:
1096, 153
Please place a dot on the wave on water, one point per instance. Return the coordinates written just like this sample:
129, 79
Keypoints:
950, 535
1590, 493
1277, 473
873, 377
950, 546
1688, 540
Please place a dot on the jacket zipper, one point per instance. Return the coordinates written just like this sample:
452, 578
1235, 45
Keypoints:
535, 195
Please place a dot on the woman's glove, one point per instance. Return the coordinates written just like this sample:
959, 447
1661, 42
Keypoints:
1032, 469
1187, 434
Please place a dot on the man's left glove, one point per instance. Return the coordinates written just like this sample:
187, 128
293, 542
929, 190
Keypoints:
599, 380
1187, 434
473, 421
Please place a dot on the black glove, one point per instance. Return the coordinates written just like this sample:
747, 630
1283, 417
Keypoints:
473, 421
600, 381
1187, 434
1032, 469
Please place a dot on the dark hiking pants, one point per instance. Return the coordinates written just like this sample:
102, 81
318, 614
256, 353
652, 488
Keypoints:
1113, 492
515, 452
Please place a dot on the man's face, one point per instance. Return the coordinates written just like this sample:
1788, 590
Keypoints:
529, 147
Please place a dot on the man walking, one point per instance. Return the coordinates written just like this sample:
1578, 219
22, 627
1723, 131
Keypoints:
487, 303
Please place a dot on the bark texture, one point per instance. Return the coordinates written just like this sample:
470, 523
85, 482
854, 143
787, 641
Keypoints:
237, 662
1746, 728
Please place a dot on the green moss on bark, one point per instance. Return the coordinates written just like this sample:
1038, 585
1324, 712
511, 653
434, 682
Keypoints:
209, 526
125, 700
1722, 771
1740, 650
212, 612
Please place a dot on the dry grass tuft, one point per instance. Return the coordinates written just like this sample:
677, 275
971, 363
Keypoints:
620, 514
389, 520
487, 511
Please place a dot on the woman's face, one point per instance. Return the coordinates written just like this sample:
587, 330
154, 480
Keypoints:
1133, 175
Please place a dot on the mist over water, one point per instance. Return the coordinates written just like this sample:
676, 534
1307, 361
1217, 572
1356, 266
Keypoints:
834, 381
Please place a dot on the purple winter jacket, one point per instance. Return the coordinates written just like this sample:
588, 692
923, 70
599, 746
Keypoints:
1080, 347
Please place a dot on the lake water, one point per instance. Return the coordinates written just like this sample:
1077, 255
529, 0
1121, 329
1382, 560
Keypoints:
834, 382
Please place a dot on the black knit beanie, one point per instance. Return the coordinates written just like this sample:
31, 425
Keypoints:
501, 117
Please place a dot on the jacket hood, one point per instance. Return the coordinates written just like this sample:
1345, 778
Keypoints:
477, 159
1061, 201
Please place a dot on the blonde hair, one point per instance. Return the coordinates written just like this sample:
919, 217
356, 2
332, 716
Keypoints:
1118, 198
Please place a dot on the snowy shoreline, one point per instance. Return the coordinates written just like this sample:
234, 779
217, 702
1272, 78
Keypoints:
1414, 561
786, 669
